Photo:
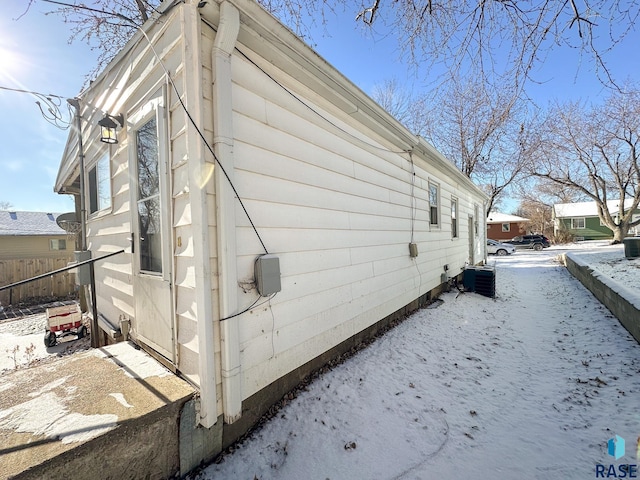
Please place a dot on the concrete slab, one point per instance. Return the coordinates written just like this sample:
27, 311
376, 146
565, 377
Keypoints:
112, 412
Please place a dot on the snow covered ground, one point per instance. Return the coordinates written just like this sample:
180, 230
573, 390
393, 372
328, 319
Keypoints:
530, 385
22, 343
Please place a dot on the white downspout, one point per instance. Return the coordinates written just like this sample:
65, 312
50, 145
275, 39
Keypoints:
224, 44
208, 411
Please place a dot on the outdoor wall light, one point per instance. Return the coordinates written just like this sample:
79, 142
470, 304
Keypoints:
108, 128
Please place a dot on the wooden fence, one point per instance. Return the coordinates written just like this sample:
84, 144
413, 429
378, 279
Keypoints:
15, 270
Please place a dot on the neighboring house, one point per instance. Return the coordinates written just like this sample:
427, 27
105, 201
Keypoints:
362, 220
32, 243
501, 226
582, 221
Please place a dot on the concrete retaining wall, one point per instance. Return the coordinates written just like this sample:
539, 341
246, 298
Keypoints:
621, 301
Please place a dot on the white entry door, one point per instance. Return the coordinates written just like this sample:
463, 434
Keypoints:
154, 322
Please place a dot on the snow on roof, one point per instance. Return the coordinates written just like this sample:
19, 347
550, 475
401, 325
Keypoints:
29, 223
585, 209
497, 217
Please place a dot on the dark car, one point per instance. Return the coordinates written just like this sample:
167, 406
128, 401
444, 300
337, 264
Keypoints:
536, 242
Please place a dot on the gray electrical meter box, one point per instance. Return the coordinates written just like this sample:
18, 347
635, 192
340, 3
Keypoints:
267, 272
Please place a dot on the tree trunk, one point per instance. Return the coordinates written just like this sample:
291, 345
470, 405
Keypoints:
619, 232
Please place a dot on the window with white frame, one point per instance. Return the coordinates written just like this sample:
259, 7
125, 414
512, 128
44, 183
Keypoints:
454, 218
506, 227
434, 210
577, 223
476, 219
57, 244
100, 185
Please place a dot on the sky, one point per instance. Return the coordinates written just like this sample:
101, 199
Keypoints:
35, 55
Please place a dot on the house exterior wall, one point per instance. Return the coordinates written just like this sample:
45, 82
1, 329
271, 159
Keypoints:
138, 76
592, 231
567, 216
33, 246
332, 191
334, 202
494, 231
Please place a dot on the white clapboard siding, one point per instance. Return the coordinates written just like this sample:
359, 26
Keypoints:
338, 210
328, 181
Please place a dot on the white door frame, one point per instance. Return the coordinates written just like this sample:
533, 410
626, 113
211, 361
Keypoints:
154, 322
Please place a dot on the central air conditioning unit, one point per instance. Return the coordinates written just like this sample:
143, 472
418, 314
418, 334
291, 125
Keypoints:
481, 280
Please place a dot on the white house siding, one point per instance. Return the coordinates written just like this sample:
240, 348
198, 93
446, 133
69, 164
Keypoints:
332, 198
337, 212
128, 84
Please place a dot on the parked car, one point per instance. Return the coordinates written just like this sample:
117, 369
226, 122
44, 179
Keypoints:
497, 248
536, 242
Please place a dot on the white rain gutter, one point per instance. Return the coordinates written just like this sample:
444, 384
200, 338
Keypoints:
208, 408
223, 47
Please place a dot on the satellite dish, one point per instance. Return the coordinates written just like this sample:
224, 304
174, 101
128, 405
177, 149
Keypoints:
68, 222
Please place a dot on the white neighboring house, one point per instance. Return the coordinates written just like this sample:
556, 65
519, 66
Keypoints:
362, 220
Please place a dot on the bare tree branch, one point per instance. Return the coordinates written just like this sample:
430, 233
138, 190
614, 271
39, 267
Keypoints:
595, 152
368, 14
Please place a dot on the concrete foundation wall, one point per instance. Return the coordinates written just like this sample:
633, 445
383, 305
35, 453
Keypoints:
145, 447
610, 294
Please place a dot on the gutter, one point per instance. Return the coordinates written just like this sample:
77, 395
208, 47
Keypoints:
224, 44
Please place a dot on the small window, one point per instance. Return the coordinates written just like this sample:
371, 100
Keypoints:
57, 244
454, 218
577, 223
506, 227
100, 185
476, 220
433, 204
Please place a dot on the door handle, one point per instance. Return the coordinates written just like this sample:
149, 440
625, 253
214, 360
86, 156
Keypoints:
133, 243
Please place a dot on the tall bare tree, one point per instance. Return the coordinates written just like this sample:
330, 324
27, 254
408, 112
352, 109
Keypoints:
501, 41
408, 109
595, 151
481, 129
